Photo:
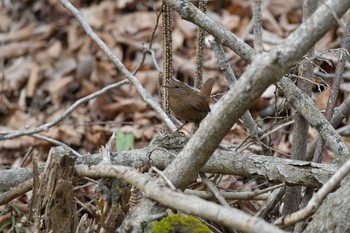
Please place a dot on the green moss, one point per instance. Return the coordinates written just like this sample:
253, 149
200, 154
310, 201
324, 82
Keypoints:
179, 224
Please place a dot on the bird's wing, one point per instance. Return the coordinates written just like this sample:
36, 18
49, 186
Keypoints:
204, 107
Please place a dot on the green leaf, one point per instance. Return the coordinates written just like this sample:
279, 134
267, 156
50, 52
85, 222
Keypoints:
125, 141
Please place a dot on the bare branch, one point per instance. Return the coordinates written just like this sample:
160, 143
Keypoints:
202, 5
301, 125
213, 189
292, 172
47, 126
230, 217
305, 105
339, 71
265, 70
258, 46
143, 93
253, 129
249, 27
17, 191
317, 199
57, 143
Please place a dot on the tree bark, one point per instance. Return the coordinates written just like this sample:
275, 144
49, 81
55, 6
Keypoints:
334, 214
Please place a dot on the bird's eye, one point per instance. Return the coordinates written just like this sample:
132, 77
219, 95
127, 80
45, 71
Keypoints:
177, 86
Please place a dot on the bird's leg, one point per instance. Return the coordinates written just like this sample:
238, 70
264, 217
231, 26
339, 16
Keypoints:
176, 131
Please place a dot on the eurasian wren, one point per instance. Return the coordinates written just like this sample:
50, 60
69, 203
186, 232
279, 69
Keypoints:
187, 104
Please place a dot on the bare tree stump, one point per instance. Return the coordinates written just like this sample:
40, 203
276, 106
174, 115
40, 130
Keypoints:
52, 201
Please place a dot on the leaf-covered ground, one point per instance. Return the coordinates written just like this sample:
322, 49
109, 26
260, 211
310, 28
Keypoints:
48, 62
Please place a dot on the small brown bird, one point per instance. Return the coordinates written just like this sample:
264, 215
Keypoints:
187, 104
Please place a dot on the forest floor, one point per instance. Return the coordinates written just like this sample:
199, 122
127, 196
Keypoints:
48, 62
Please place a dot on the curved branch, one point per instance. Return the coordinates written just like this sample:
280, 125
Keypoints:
143, 93
48, 125
292, 172
230, 217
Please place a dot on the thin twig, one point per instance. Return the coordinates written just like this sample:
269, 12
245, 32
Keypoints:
339, 71
268, 133
230, 217
143, 93
271, 202
292, 194
16, 192
213, 189
48, 125
334, 16
202, 5
317, 199
149, 49
55, 142
228, 195
258, 46
166, 180
249, 27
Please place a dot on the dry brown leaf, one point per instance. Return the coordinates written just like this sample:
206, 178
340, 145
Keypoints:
103, 73
284, 147
99, 15
347, 139
145, 125
20, 120
16, 143
67, 134
134, 130
86, 88
134, 25
148, 133
18, 35
324, 42
85, 67
121, 4
17, 49
243, 25
75, 38
313, 133
229, 21
241, 8
124, 105
63, 68
33, 81
178, 39
97, 135
58, 89
322, 99
286, 25
278, 7
45, 31
183, 65
5, 19
6, 108
188, 29
149, 80
247, 207
17, 74
229, 183
96, 106
271, 40
55, 50
271, 24
140, 120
